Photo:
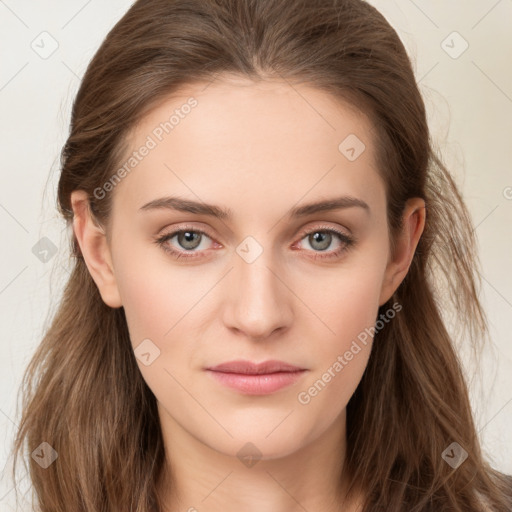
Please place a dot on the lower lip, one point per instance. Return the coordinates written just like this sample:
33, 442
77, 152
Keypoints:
262, 384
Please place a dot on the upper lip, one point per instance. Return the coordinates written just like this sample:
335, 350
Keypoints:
250, 368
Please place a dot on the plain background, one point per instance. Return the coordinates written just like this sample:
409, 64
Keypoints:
469, 100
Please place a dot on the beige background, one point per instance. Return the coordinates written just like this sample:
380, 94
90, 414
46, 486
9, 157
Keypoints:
469, 100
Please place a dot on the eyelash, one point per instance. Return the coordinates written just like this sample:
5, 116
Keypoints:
347, 241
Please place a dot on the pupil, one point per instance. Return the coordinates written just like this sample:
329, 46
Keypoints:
187, 237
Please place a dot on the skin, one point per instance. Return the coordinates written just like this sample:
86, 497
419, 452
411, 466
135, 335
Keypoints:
258, 149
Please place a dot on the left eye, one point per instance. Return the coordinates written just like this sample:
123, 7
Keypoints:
321, 239
189, 241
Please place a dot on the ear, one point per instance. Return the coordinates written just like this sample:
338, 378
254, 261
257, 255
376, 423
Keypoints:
95, 250
413, 222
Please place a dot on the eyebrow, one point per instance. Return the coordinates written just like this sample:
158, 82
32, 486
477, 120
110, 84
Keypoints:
199, 208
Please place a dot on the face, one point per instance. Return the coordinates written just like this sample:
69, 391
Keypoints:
266, 279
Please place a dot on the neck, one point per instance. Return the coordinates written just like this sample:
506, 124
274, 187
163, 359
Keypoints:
197, 477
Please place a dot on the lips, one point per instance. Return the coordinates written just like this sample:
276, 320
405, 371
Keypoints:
256, 378
249, 368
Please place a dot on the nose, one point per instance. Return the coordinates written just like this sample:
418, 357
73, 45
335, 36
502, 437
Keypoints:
259, 300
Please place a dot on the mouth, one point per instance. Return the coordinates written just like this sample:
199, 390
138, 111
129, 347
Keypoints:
256, 379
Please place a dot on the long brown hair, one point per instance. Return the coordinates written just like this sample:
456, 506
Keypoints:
83, 393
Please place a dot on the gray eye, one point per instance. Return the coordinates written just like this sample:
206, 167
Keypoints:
189, 239
320, 240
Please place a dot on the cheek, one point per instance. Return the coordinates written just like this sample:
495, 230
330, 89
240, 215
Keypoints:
341, 353
155, 294
348, 309
158, 301
164, 306
347, 302
145, 303
348, 299
345, 299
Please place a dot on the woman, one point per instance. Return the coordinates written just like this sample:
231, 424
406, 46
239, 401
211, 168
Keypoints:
261, 230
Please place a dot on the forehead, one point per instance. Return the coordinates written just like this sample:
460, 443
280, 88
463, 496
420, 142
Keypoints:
235, 137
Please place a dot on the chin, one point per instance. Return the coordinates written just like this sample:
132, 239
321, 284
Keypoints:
265, 441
